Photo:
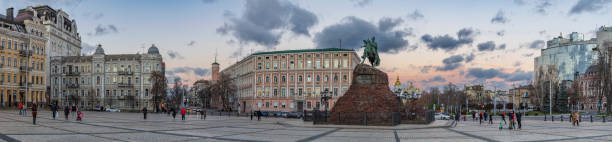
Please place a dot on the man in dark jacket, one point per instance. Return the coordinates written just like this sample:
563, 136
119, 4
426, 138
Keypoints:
144, 111
34, 112
66, 112
518, 119
54, 110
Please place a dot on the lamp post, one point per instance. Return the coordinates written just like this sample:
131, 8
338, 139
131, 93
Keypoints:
324, 100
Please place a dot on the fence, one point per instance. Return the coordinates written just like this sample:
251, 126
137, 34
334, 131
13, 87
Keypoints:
368, 118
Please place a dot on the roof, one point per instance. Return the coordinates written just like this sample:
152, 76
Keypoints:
303, 50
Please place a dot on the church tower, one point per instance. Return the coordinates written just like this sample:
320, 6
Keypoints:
215, 69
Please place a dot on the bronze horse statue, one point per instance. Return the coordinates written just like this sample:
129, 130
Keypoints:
370, 52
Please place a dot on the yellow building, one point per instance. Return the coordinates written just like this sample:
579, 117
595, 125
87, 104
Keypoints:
22, 60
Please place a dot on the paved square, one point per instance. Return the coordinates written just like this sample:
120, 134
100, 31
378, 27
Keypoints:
107, 126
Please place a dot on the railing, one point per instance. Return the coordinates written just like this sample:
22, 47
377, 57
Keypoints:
25, 53
72, 85
369, 118
73, 73
125, 84
125, 73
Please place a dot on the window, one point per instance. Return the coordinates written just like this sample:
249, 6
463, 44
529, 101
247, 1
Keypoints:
275, 92
146, 92
345, 77
275, 64
283, 92
344, 63
259, 79
318, 78
308, 64
291, 78
335, 91
300, 64
326, 63
300, 91
291, 91
300, 78
267, 104
308, 105
318, 64
258, 66
267, 65
309, 78
283, 79
326, 78
267, 78
291, 64
275, 79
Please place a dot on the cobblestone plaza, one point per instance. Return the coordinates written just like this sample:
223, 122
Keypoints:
106, 126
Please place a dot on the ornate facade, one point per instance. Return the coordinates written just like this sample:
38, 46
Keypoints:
406, 93
114, 81
22, 60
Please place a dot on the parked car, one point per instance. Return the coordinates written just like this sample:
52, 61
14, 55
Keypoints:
264, 113
441, 116
293, 115
113, 110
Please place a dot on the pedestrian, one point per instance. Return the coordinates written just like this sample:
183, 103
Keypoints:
575, 119
66, 111
480, 118
144, 112
490, 118
183, 113
73, 111
512, 119
202, 112
79, 116
34, 112
485, 116
20, 109
25, 109
54, 110
473, 116
173, 113
503, 117
518, 119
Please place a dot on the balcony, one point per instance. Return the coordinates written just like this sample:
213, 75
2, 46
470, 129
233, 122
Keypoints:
24, 68
125, 85
72, 85
73, 74
25, 53
125, 73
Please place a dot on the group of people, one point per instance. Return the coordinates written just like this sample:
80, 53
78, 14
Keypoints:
23, 111
183, 111
514, 118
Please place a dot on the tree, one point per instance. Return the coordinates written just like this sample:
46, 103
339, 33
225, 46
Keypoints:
222, 90
177, 93
160, 83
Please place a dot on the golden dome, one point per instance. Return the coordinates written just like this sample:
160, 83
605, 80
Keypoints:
397, 82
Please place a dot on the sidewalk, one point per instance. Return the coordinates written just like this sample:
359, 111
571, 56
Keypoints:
435, 124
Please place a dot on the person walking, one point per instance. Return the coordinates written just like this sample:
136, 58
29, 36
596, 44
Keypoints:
79, 116
66, 111
473, 116
503, 117
183, 113
490, 118
34, 112
144, 112
202, 114
173, 113
485, 116
480, 118
73, 111
575, 119
54, 110
20, 109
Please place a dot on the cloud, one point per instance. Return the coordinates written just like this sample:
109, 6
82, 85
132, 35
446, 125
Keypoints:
518, 75
451, 63
416, 15
386, 23
500, 18
185, 70
501, 33
352, 31
425, 69
87, 49
469, 58
519, 2
542, 32
104, 30
361, 3
191, 43
542, 6
174, 55
537, 44
264, 22
437, 78
517, 63
483, 74
448, 43
208, 1
528, 54
480, 73
588, 6
490, 46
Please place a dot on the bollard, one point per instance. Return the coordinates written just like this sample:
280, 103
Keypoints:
544, 117
552, 118
591, 118
561, 118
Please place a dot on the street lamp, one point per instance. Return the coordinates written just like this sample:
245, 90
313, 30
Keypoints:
324, 100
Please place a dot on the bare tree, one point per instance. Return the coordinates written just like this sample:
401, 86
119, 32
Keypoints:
158, 91
222, 90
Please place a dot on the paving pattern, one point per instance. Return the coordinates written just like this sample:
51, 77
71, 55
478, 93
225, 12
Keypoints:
107, 126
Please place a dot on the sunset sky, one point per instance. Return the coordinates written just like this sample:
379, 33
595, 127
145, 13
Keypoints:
429, 42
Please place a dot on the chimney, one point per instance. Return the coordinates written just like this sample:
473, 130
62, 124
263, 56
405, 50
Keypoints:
9, 14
